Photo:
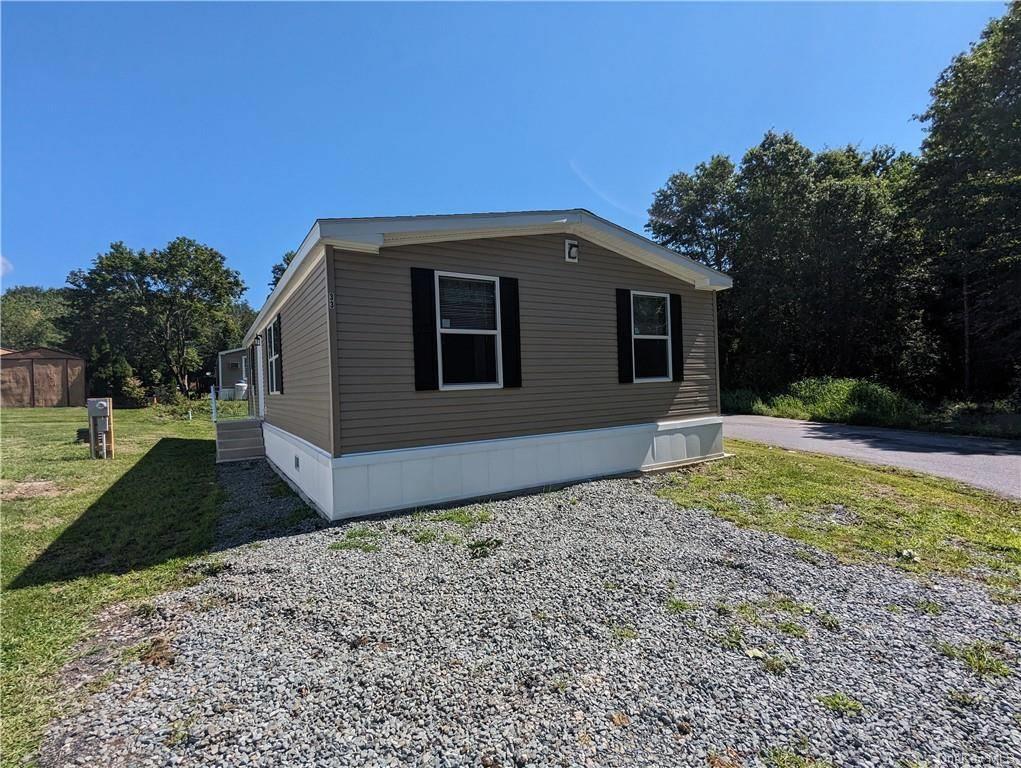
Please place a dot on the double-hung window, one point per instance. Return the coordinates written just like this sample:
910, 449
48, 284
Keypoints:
272, 358
651, 347
468, 331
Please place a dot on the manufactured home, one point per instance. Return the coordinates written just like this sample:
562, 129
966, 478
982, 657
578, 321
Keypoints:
413, 360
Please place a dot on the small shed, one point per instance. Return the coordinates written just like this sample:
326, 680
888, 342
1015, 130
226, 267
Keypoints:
231, 369
41, 377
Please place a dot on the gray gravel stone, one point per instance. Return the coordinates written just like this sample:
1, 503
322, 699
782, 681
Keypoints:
554, 647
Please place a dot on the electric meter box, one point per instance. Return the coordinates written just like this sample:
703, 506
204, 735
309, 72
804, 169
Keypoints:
100, 411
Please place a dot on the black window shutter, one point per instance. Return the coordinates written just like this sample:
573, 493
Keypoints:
280, 355
625, 352
510, 331
267, 350
676, 337
423, 323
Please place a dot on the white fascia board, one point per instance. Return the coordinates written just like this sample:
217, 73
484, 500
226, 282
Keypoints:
431, 229
643, 250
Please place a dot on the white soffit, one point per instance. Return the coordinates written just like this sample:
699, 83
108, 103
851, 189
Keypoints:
368, 235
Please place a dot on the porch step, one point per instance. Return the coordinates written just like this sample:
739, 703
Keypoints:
235, 425
239, 440
238, 454
249, 441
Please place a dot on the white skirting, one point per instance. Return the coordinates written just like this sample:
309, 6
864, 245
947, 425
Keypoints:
382, 481
308, 468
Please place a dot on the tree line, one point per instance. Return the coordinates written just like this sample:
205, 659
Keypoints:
148, 322
872, 263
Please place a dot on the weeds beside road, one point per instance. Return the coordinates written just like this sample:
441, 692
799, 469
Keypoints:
863, 402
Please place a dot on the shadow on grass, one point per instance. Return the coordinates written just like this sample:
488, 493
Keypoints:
164, 507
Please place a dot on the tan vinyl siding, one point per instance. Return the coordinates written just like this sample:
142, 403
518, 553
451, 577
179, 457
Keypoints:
568, 346
303, 408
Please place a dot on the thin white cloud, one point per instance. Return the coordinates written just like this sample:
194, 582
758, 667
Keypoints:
5, 266
583, 177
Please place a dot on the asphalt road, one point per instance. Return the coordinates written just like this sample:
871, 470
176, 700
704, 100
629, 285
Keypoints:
984, 462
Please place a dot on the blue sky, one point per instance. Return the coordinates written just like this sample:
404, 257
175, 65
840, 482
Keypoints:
239, 124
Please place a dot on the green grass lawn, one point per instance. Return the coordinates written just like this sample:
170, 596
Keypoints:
862, 513
79, 535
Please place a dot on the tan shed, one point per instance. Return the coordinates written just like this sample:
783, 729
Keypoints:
41, 377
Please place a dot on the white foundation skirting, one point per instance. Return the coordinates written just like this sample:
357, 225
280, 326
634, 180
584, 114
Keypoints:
382, 481
306, 467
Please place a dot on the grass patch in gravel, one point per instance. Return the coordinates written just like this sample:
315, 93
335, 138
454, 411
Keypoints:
953, 528
466, 517
427, 536
675, 606
982, 658
828, 621
930, 607
361, 538
483, 547
792, 628
775, 665
841, 704
123, 530
964, 699
783, 757
623, 632
733, 639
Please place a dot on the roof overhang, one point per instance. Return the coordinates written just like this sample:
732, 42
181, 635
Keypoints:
372, 234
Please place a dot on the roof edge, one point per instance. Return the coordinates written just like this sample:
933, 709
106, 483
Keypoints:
368, 235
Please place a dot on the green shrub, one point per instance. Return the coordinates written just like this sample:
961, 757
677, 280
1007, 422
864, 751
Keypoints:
133, 393
852, 401
740, 401
855, 401
788, 407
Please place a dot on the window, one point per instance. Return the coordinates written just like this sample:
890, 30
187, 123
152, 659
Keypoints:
272, 358
650, 323
468, 331
235, 366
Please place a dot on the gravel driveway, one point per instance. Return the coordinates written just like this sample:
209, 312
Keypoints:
980, 461
595, 625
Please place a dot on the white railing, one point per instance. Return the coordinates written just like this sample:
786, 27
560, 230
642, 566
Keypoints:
212, 401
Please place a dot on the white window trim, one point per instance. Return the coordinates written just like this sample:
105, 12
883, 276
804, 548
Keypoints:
498, 384
669, 342
271, 358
